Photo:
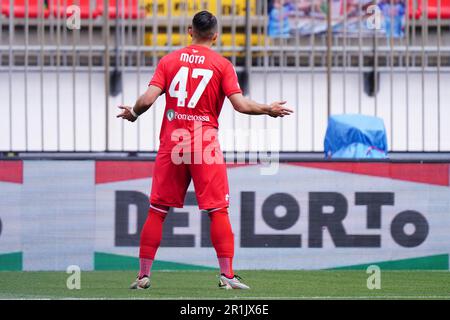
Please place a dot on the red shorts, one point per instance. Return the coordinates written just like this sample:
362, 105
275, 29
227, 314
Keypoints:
171, 181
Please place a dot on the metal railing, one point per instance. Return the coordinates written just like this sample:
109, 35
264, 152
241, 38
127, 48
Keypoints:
60, 86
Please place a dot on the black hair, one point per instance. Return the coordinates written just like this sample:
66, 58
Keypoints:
204, 25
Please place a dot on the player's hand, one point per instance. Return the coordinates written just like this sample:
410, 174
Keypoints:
126, 114
276, 109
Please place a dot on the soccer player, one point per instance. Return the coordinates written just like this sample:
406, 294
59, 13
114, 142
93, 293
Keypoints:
195, 81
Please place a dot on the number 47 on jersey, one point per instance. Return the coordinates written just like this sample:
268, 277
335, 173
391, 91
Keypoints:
181, 79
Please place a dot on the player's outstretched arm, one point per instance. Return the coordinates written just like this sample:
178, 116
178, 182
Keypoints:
143, 103
248, 106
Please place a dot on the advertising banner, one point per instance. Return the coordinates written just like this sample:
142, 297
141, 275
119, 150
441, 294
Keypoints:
288, 18
309, 215
11, 179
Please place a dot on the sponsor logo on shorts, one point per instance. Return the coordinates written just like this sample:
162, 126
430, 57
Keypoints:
171, 114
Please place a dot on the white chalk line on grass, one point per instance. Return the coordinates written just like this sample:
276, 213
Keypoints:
236, 298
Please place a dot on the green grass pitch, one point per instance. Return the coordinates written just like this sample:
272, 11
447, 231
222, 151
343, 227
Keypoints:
203, 285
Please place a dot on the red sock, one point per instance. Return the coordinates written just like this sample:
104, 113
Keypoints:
226, 267
222, 238
151, 236
145, 267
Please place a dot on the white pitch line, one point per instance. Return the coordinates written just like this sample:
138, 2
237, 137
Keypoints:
236, 298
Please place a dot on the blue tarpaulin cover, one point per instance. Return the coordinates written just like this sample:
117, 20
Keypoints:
355, 136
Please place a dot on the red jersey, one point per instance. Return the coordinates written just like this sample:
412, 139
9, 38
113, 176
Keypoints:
195, 81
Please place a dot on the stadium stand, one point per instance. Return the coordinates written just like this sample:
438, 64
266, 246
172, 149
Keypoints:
126, 8
58, 8
416, 8
150, 29
414, 11
433, 9
20, 8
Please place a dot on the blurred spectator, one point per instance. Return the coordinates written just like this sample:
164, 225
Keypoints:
279, 14
393, 14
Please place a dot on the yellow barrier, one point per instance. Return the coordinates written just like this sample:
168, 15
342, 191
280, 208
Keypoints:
226, 39
178, 39
190, 7
163, 40
161, 8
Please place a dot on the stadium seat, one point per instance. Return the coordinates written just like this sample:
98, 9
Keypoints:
127, 9
432, 11
19, 8
417, 13
161, 8
58, 8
